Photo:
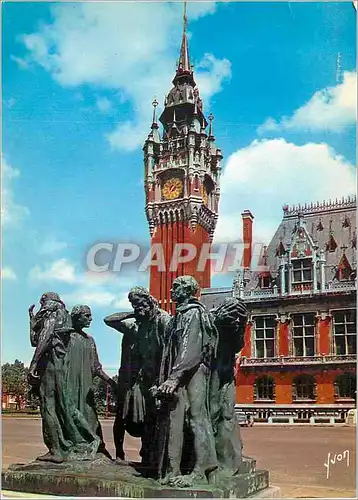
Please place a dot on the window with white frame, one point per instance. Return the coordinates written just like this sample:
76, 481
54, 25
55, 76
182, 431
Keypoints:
264, 388
303, 333
304, 387
346, 386
265, 327
301, 271
345, 331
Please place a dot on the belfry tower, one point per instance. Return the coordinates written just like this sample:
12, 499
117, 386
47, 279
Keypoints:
181, 180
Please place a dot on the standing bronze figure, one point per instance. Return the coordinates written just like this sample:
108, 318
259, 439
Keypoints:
142, 344
61, 372
230, 320
185, 434
83, 366
50, 331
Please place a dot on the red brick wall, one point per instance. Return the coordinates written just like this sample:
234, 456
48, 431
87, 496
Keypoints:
324, 378
168, 235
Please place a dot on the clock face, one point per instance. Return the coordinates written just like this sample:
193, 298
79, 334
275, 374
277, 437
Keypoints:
172, 188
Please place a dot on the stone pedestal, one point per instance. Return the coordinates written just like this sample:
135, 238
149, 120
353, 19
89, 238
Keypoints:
104, 478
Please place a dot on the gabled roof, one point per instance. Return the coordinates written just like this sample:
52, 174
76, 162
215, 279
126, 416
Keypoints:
325, 223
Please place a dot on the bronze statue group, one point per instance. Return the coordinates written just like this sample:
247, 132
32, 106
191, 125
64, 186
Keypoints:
175, 390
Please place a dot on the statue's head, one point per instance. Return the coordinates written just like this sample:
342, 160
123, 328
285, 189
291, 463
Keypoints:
81, 317
51, 301
142, 302
50, 296
183, 288
231, 313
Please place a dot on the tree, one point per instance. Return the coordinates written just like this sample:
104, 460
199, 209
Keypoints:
100, 395
14, 380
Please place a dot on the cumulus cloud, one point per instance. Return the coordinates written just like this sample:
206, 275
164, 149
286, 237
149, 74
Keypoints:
7, 273
269, 173
11, 212
112, 45
97, 298
60, 270
96, 289
51, 245
104, 104
331, 109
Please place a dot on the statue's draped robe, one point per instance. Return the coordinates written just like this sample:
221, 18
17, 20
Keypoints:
222, 402
82, 367
230, 319
67, 432
190, 346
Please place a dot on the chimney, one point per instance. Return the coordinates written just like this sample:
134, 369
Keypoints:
247, 221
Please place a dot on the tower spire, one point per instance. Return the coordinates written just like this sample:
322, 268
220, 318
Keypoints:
184, 59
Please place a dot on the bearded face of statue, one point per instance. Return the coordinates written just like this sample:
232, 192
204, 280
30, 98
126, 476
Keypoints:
142, 306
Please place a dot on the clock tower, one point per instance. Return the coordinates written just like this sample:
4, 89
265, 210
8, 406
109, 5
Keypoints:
181, 181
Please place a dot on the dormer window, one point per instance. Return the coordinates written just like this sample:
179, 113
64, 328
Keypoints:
302, 270
331, 244
265, 282
344, 270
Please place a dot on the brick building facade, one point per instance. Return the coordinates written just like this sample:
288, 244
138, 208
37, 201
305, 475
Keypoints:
298, 363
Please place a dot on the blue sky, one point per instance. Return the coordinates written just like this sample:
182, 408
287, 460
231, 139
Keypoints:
78, 82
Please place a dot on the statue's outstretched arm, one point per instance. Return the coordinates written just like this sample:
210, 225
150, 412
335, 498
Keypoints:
118, 321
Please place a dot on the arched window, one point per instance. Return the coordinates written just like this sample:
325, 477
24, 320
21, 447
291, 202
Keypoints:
345, 386
196, 183
264, 388
304, 387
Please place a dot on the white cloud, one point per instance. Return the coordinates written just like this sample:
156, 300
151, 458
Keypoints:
60, 270
269, 173
21, 62
51, 245
114, 46
96, 298
95, 289
104, 104
332, 108
211, 75
11, 212
7, 273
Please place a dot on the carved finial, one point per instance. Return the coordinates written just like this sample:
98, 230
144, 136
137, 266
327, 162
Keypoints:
155, 104
211, 118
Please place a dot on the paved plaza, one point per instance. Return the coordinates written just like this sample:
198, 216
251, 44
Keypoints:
295, 456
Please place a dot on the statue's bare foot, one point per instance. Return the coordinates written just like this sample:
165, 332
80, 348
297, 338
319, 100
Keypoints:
50, 457
188, 480
121, 461
95, 446
168, 478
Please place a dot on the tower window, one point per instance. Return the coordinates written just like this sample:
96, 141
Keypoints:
264, 388
302, 270
345, 386
303, 334
304, 388
264, 337
345, 332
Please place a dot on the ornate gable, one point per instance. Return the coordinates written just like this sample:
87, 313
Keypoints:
302, 244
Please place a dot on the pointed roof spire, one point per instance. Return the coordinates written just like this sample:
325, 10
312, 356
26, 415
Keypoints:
184, 67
